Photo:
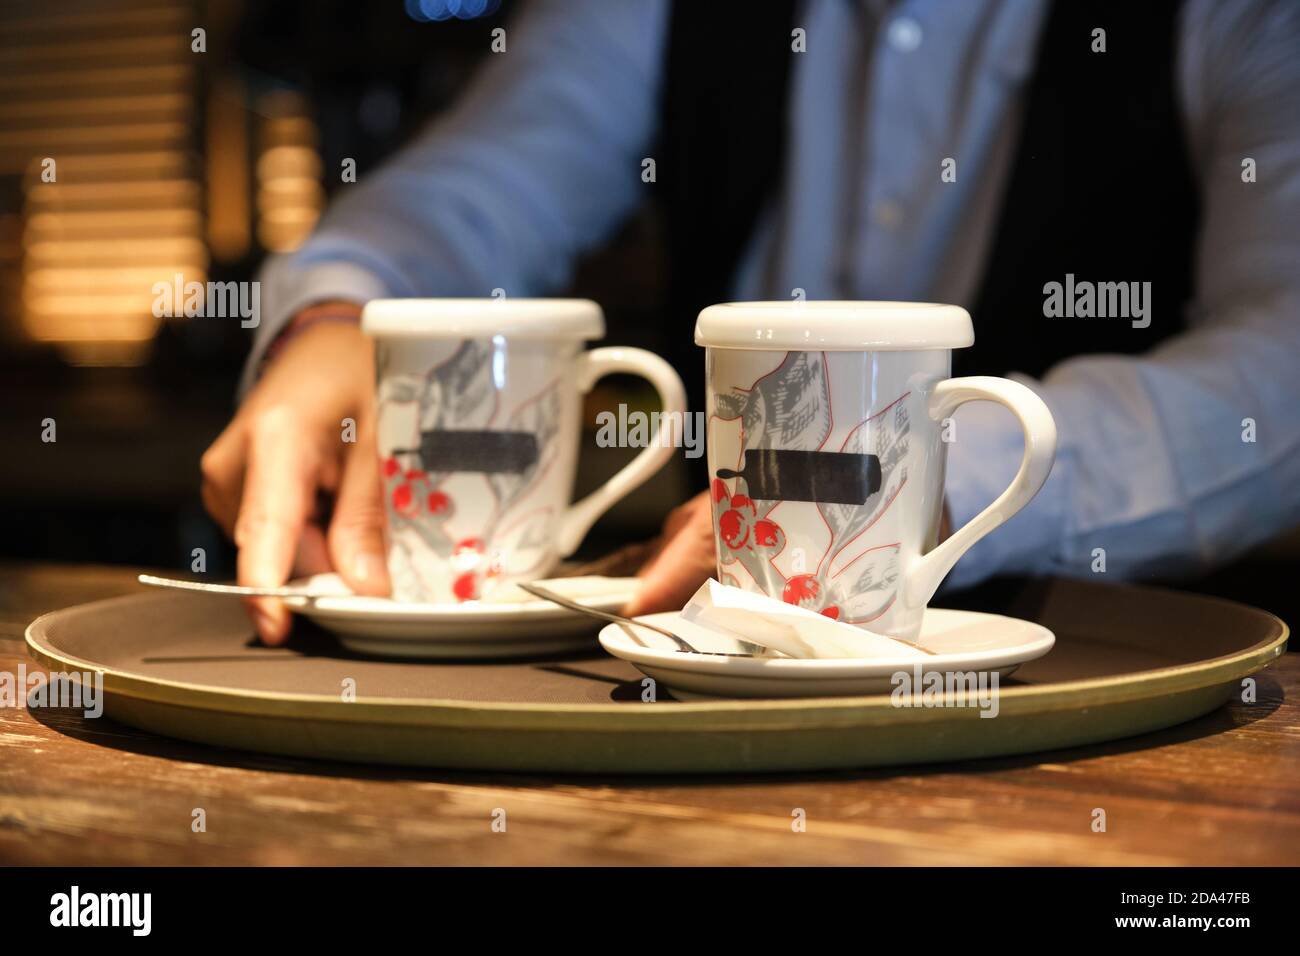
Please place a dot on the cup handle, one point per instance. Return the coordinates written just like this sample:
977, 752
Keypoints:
928, 570
588, 368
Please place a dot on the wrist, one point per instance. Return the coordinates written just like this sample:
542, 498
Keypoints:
334, 313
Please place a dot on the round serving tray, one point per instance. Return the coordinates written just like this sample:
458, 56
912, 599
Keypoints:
1127, 661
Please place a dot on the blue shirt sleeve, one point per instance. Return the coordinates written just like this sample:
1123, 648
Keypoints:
539, 161
1183, 458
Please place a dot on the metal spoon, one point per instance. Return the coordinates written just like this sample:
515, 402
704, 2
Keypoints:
236, 590
683, 646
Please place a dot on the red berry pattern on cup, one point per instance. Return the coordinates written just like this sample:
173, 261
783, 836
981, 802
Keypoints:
741, 530
849, 577
410, 492
430, 514
806, 591
465, 586
404, 502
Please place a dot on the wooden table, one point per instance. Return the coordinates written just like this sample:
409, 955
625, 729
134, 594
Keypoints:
1224, 789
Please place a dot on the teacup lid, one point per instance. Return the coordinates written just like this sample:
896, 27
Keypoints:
834, 326
482, 318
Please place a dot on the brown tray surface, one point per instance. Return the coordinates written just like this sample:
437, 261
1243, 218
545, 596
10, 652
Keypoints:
195, 639
1111, 642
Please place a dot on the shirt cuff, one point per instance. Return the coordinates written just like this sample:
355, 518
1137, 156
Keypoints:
983, 457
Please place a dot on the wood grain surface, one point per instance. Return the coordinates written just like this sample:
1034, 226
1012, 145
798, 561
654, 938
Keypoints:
1224, 789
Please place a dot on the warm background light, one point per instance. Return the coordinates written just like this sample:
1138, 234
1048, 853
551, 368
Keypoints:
108, 96
289, 194
166, 162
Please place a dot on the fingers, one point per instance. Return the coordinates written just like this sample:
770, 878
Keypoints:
356, 534
677, 519
279, 492
313, 552
625, 562
686, 561
681, 516
222, 469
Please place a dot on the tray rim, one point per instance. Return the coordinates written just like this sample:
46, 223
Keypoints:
755, 714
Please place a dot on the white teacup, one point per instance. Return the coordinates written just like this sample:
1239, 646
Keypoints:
478, 422
826, 446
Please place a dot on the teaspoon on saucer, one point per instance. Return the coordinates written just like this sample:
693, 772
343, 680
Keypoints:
682, 645
235, 590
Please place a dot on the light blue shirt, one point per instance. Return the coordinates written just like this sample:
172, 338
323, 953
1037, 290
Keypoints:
1168, 462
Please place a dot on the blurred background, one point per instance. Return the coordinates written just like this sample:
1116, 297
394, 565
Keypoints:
169, 161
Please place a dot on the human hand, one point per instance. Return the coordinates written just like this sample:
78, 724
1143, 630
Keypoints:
683, 560
283, 450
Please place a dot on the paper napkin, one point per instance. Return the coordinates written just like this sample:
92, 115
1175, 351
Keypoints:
793, 631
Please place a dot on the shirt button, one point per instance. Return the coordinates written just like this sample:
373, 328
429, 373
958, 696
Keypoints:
904, 34
888, 214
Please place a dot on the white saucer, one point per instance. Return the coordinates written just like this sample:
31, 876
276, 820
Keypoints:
963, 641
518, 624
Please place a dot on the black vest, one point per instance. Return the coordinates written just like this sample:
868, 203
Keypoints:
1100, 187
